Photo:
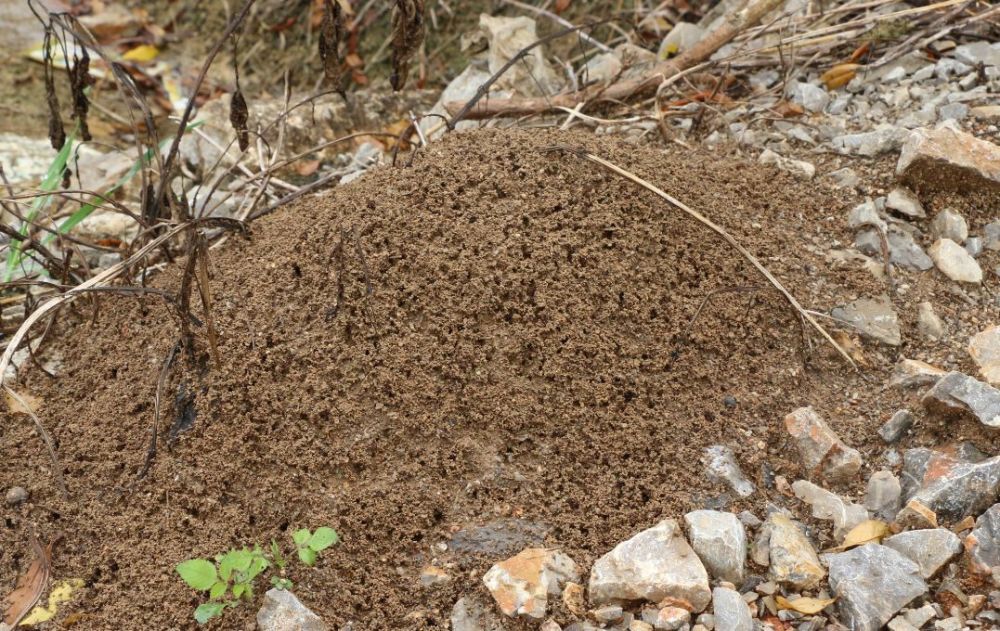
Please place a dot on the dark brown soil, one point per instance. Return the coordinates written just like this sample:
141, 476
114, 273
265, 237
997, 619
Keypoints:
496, 336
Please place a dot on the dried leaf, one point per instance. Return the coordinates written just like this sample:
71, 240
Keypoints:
60, 593
307, 167
79, 79
238, 116
860, 52
407, 35
16, 407
142, 53
330, 33
852, 346
788, 109
562, 5
807, 606
57, 134
31, 585
839, 76
868, 531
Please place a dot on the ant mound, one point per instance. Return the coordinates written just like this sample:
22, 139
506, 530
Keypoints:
498, 346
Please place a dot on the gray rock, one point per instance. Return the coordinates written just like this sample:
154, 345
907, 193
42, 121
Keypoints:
976, 53
282, 611
721, 467
991, 236
953, 111
929, 323
809, 96
949, 224
720, 541
905, 251
874, 318
820, 449
884, 139
954, 262
731, 612
498, 538
607, 614
950, 484
917, 462
799, 168
947, 67
947, 158
470, 613
983, 543
793, 559
895, 427
958, 393
883, 495
830, 507
650, 566
16, 495
930, 549
865, 214
913, 373
974, 246
844, 178
872, 583
905, 202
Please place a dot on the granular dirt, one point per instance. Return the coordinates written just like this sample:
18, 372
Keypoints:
495, 347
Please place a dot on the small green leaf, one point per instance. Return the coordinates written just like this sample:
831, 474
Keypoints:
301, 537
238, 589
257, 565
276, 554
218, 590
198, 573
207, 611
307, 556
281, 583
323, 538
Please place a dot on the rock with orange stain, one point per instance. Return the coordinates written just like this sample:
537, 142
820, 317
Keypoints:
821, 450
952, 482
522, 584
652, 565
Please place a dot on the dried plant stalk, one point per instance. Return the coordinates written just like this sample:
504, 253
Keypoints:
330, 33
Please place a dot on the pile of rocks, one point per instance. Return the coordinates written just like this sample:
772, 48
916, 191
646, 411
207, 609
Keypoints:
891, 563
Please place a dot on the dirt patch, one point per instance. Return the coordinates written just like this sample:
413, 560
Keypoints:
426, 355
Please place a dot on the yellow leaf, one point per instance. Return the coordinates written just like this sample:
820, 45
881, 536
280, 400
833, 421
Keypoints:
142, 52
804, 605
62, 592
840, 75
16, 407
871, 530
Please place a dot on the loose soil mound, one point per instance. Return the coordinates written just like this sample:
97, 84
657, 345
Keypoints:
498, 336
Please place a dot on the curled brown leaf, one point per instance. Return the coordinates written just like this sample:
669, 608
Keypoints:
32, 583
407, 35
238, 117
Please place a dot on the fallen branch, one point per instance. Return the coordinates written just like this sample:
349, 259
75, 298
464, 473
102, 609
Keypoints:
719, 230
624, 89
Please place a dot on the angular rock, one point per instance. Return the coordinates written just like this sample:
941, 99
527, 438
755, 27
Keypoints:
865, 214
811, 97
983, 543
607, 614
16, 495
905, 251
821, 450
282, 611
949, 224
883, 139
650, 566
470, 613
830, 507
668, 618
950, 484
913, 373
955, 262
957, 393
917, 462
720, 541
731, 612
947, 159
793, 559
991, 236
721, 466
930, 549
985, 350
883, 495
905, 202
799, 168
895, 427
522, 584
872, 583
916, 515
929, 323
874, 318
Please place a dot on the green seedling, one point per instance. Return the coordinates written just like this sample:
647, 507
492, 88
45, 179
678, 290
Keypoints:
233, 572
230, 578
310, 544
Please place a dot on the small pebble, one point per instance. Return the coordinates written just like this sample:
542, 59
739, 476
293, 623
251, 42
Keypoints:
17, 495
